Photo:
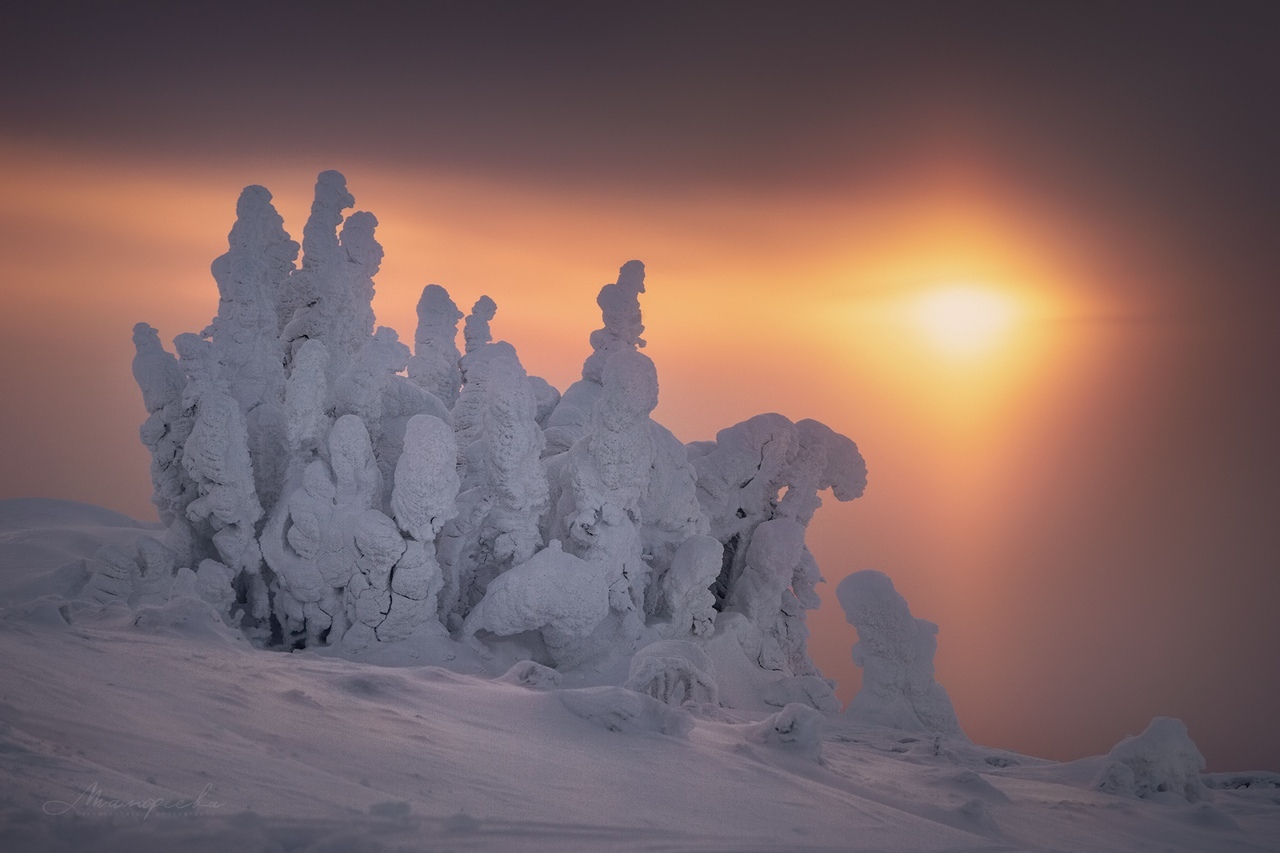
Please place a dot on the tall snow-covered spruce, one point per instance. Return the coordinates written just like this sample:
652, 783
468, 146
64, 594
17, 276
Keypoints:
330, 488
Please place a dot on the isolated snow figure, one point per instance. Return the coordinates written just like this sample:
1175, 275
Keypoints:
168, 424
1161, 760
674, 672
245, 332
686, 586
434, 365
556, 593
475, 331
895, 651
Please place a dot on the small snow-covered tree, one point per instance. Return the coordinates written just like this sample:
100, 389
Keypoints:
895, 651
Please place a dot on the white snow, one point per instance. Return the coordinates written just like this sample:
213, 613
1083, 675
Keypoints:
421, 598
164, 729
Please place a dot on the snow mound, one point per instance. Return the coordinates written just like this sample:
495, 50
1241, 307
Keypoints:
531, 674
1162, 760
673, 672
796, 728
620, 710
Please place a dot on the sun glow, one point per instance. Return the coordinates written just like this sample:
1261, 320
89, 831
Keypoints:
965, 320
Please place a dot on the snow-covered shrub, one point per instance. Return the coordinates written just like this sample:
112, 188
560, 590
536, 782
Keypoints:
895, 651
620, 710
531, 674
796, 728
674, 672
1161, 760
554, 592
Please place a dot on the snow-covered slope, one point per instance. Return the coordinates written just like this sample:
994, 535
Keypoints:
159, 728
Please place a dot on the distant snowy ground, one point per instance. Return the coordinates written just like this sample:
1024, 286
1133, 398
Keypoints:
163, 730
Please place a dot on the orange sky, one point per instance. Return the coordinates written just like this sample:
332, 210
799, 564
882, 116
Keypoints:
1088, 510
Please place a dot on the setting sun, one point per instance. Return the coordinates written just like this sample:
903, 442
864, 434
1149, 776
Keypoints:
963, 320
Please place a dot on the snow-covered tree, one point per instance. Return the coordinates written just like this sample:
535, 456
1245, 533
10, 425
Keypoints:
317, 495
895, 651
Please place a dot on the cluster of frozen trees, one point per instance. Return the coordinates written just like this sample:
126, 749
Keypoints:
327, 484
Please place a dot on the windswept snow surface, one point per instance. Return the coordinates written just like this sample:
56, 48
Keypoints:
159, 728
